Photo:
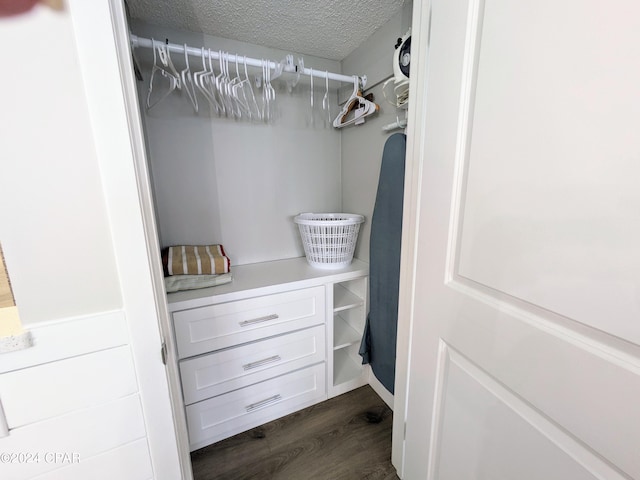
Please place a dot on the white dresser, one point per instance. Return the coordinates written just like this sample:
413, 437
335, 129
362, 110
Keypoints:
281, 337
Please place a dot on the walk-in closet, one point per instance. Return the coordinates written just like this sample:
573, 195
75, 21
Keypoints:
518, 345
253, 114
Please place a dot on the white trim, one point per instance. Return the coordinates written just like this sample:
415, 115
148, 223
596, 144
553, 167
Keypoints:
380, 389
81, 434
140, 164
89, 380
99, 27
412, 189
68, 338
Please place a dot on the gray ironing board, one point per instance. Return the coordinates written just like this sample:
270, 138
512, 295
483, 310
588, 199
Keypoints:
378, 346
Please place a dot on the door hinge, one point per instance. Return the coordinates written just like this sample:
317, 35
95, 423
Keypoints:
163, 352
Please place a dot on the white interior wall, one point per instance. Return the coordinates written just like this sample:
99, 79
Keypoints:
362, 145
53, 221
70, 221
239, 183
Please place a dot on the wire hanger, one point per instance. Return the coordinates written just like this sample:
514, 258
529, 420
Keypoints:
355, 101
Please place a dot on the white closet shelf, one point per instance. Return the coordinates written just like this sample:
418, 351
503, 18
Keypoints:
344, 299
345, 368
344, 334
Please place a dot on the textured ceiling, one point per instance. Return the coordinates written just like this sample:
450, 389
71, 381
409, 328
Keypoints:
324, 28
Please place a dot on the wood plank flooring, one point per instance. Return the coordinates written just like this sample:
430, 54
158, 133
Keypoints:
345, 438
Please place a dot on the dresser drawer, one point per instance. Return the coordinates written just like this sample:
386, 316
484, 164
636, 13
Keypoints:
225, 370
205, 329
220, 417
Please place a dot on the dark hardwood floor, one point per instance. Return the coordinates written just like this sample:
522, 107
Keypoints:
345, 438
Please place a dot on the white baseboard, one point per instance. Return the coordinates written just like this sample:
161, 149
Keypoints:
380, 389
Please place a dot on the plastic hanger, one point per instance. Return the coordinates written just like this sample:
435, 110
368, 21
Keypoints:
239, 93
173, 80
325, 99
238, 105
311, 118
266, 91
311, 77
263, 85
187, 81
356, 100
228, 90
222, 85
272, 93
170, 69
253, 102
216, 83
234, 91
197, 76
211, 80
207, 83
202, 80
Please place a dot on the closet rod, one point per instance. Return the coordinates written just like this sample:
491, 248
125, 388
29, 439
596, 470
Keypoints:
137, 41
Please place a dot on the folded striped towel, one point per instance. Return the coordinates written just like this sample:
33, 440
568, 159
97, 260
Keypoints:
175, 283
195, 260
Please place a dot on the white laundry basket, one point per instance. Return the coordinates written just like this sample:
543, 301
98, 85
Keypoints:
329, 239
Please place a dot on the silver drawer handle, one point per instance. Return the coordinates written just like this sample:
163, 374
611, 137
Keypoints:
260, 363
263, 403
266, 318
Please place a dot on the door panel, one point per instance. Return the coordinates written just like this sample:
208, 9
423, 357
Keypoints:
550, 209
524, 351
474, 405
584, 389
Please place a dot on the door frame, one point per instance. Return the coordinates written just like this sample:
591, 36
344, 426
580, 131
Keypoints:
124, 56
416, 138
104, 53
415, 147
123, 47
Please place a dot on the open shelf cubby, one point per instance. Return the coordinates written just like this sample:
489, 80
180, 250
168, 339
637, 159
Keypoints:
343, 333
349, 315
346, 368
344, 299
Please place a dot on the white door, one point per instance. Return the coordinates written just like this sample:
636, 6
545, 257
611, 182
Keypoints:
525, 328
